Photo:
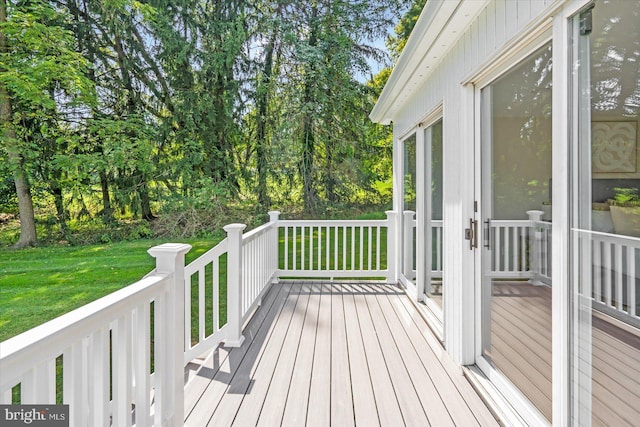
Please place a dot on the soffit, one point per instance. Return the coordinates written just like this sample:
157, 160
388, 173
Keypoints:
440, 25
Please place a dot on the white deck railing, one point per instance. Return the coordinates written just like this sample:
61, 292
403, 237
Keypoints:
520, 249
122, 357
333, 248
242, 266
615, 268
410, 245
101, 354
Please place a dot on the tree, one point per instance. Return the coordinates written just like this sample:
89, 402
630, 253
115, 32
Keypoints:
403, 29
331, 44
41, 75
11, 145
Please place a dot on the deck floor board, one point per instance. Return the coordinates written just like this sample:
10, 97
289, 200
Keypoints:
333, 354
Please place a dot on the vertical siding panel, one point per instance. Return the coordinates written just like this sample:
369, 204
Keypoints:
482, 36
474, 45
511, 16
491, 27
536, 6
501, 22
467, 52
524, 13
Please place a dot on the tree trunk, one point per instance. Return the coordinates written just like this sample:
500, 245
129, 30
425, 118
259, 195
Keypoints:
58, 200
308, 136
306, 170
330, 183
28, 235
107, 211
145, 201
262, 142
132, 101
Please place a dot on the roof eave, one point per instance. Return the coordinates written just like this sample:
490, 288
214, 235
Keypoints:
419, 54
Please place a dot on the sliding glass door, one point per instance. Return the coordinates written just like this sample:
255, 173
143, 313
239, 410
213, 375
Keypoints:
515, 306
433, 221
409, 211
605, 223
422, 229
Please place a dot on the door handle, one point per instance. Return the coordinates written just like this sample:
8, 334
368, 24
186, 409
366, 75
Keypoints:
471, 234
487, 234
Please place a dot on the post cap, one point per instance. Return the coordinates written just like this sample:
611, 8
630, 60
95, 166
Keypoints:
274, 215
169, 248
234, 227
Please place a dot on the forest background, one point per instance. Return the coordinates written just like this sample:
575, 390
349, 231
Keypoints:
127, 119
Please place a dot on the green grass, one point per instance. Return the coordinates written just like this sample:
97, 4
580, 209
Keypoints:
40, 284
340, 260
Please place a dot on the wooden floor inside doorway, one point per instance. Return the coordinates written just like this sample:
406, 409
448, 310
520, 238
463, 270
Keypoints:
521, 349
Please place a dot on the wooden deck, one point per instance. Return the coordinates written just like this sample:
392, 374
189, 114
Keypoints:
521, 349
333, 354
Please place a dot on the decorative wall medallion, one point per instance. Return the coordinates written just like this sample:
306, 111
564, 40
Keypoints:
614, 150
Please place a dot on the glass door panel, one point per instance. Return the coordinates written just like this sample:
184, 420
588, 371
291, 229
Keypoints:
516, 275
605, 230
409, 209
433, 221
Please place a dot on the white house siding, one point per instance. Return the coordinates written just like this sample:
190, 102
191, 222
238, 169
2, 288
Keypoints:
492, 33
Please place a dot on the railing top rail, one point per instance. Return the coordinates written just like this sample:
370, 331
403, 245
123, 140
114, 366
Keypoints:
331, 222
206, 258
511, 222
52, 337
610, 237
257, 232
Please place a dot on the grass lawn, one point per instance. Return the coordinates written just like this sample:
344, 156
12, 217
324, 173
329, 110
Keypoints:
40, 284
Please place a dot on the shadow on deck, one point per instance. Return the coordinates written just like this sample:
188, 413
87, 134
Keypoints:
333, 354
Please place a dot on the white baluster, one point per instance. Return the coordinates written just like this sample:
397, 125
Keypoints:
122, 379
142, 361
535, 262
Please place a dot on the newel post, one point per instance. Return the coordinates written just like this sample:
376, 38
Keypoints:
234, 284
392, 239
536, 245
274, 217
170, 261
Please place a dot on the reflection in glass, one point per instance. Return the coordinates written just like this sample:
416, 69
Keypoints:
433, 140
409, 217
605, 333
410, 173
516, 178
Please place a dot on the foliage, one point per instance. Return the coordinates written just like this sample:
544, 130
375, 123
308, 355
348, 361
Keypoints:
625, 197
183, 114
403, 29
